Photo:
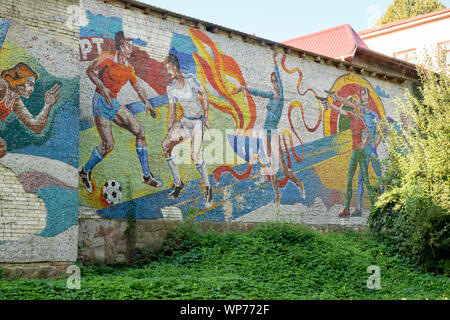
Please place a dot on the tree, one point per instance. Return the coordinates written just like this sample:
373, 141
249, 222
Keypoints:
403, 9
414, 212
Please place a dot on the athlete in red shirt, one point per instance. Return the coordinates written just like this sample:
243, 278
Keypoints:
110, 73
357, 128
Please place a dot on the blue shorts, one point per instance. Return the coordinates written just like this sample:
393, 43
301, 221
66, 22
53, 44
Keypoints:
269, 130
102, 108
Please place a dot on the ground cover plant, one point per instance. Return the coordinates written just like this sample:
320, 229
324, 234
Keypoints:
274, 261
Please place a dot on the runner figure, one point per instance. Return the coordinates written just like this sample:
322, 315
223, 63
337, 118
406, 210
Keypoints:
110, 73
19, 82
185, 90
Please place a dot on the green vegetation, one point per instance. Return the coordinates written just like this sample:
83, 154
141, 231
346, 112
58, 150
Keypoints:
274, 261
413, 215
403, 9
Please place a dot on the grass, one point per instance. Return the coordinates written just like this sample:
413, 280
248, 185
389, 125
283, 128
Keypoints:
274, 261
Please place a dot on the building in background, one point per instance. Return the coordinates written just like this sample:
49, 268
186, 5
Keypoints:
338, 42
344, 43
410, 39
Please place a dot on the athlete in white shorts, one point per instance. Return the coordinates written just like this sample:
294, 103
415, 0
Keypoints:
185, 90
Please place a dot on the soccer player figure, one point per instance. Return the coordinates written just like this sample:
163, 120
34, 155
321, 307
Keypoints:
357, 127
371, 120
19, 82
110, 73
271, 139
185, 90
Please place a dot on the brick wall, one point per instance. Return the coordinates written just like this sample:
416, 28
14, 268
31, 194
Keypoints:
21, 213
44, 17
38, 180
41, 192
230, 60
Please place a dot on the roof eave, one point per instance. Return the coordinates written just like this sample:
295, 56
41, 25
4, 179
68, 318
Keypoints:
287, 48
406, 23
380, 56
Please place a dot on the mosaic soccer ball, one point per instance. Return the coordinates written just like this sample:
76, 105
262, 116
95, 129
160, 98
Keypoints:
112, 190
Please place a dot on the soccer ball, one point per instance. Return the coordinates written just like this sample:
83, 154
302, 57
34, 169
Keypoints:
112, 190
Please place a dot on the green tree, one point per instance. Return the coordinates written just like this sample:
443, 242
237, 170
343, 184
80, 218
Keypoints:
414, 213
403, 9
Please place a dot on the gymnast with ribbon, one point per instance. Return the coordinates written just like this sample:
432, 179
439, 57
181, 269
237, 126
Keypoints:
271, 139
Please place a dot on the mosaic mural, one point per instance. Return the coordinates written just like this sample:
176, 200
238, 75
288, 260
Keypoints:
223, 130
39, 128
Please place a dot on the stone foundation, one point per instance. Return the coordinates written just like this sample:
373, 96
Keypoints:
118, 241
34, 270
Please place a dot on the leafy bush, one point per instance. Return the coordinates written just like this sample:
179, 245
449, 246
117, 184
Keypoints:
413, 214
273, 261
416, 227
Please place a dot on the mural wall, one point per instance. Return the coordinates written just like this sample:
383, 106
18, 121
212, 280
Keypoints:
172, 116
39, 129
128, 114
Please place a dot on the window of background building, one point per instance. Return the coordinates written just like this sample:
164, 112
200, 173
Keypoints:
444, 47
407, 55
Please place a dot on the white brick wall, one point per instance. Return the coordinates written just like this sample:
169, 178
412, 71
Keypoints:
48, 19
21, 213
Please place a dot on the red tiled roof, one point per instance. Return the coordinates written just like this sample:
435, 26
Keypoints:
335, 42
404, 21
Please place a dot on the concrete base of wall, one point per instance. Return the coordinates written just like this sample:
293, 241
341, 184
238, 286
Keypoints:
34, 270
112, 241
119, 241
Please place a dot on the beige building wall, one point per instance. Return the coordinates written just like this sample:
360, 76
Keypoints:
415, 39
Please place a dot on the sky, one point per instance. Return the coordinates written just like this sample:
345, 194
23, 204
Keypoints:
280, 20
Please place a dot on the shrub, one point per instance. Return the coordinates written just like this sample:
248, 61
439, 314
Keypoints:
413, 214
415, 226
